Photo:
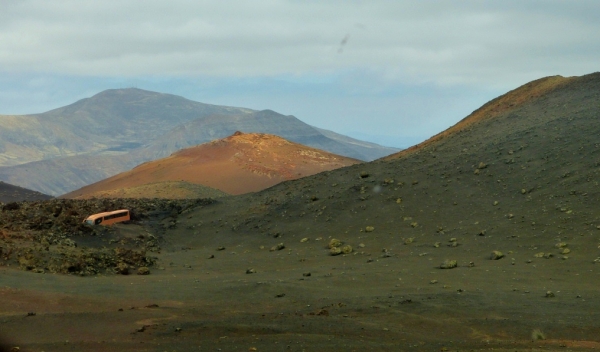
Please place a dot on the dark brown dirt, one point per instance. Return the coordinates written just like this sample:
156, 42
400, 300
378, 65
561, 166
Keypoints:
524, 182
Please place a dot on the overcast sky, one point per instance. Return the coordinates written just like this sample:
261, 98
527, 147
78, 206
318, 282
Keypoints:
393, 72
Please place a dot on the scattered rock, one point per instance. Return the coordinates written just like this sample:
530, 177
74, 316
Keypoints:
335, 251
496, 255
347, 249
364, 174
549, 294
433, 282
565, 251
409, 240
122, 269
369, 229
277, 247
305, 239
250, 271
386, 253
539, 255
560, 245
280, 295
307, 274
221, 248
143, 270
335, 243
449, 264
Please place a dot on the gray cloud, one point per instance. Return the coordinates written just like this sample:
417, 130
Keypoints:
473, 42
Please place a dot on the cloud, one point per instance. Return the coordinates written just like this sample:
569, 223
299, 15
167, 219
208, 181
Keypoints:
474, 42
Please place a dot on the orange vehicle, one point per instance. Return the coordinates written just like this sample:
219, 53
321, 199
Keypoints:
108, 218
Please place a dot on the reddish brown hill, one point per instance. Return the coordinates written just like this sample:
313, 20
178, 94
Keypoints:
237, 164
512, 100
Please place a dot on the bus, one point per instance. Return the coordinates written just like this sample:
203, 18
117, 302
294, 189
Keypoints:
108, 218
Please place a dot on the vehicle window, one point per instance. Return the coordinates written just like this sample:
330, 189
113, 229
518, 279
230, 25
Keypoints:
98, 221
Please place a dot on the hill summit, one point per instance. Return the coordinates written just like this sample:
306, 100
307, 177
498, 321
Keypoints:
69, 147
240, 163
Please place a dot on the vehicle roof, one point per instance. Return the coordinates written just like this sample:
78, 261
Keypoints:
97, 215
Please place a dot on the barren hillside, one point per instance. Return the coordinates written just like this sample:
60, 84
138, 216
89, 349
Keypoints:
237, 164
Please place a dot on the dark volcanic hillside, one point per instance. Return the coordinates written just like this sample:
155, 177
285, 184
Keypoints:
115, 130
523, 182
10, 193
531, 171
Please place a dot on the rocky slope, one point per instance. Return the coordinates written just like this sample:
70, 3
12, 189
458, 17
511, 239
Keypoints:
10, 193
115, 130
525, 164
240, 163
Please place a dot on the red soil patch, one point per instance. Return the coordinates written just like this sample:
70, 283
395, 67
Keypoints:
237, 164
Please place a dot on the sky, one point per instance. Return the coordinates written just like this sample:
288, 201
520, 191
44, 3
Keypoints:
392, 72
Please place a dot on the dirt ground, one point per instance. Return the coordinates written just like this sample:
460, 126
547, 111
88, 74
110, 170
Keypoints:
243, 297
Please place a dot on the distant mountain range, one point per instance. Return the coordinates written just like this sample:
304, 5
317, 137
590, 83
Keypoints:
67, 148
241, 163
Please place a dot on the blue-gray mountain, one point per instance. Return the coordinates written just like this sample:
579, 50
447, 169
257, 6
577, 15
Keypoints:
64, 149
